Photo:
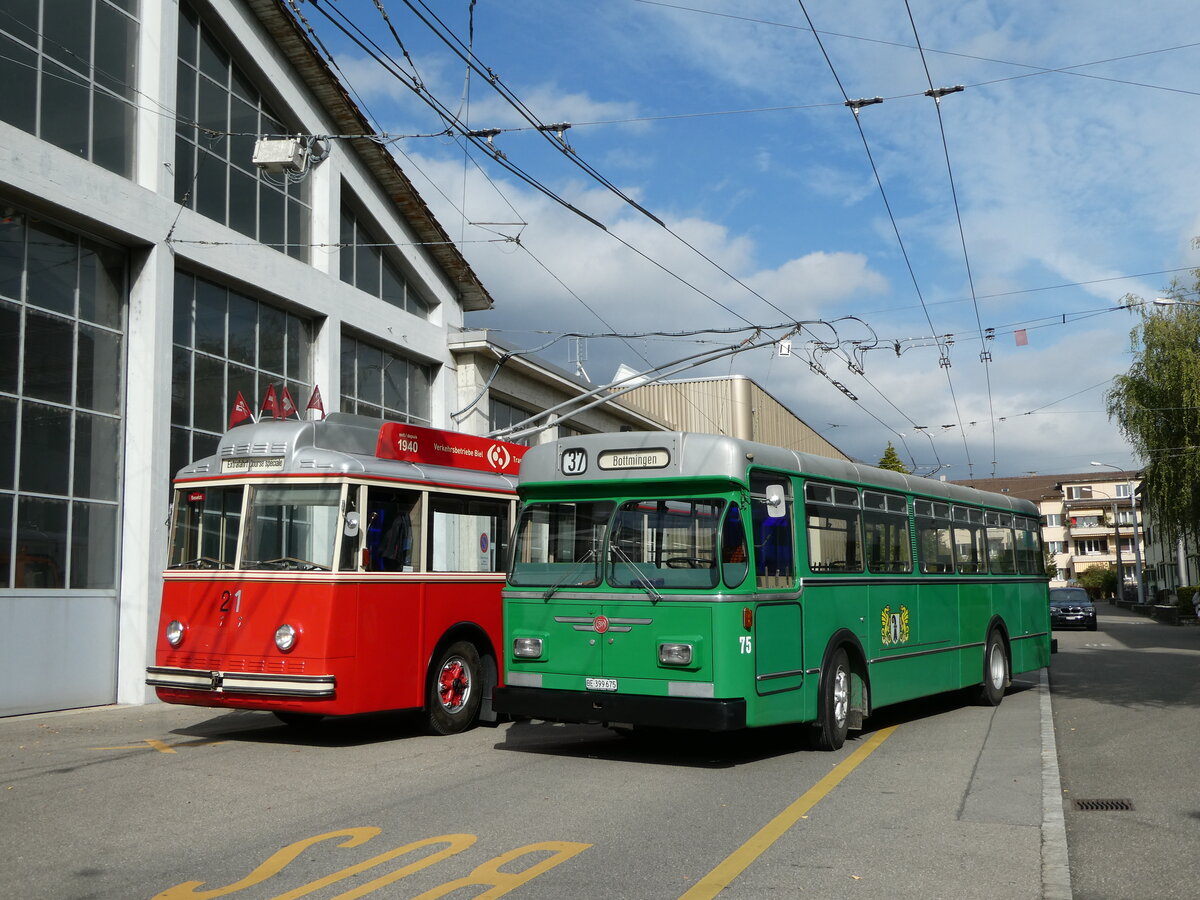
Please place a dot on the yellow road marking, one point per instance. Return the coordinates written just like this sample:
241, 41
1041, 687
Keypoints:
741, 858
160, 746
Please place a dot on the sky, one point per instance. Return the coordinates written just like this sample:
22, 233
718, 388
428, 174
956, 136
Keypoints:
949, 276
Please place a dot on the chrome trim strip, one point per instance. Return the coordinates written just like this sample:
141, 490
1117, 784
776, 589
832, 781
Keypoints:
774, 675
702, 689
241, 682
524, 679
937, 650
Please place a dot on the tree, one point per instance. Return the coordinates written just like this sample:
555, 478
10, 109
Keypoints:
1099, 580
891, 460
1156, 404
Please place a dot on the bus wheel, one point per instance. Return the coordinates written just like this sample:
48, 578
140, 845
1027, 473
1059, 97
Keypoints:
833, 718
995, 671
455, 690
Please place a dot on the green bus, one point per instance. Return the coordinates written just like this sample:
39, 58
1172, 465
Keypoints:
697, 581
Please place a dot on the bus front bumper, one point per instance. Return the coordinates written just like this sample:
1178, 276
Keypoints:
241, 682
623, 709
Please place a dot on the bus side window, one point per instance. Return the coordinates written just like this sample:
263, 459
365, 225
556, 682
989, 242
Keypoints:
468, 534
774, 542
734, 561
390, 528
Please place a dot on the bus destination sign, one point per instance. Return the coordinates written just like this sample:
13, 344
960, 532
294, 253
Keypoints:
655, 458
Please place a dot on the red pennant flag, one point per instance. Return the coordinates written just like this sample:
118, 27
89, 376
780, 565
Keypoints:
1022, 337
240, 412
314, 402
287, 406
270, 404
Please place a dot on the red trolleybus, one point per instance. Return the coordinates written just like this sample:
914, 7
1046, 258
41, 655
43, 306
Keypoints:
343, 566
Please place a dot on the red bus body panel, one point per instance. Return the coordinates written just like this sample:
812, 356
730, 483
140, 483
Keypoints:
374, 636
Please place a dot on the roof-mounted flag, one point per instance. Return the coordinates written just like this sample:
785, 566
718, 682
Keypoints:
314, 402
240, 412
287, 406
270, 404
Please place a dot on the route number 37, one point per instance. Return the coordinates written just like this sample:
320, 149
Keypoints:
746, 643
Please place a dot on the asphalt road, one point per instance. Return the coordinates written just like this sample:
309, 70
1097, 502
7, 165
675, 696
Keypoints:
1126, 702
938, 799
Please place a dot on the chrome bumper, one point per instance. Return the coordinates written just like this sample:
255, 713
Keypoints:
241, 682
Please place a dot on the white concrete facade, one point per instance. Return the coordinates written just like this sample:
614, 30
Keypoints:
161, 238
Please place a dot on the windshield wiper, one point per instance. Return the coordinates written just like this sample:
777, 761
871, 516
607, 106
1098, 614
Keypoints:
642, 581
286, 562
571, 575
202, 562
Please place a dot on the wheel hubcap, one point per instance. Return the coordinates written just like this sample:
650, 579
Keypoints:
454, 685
996, 665
841, 696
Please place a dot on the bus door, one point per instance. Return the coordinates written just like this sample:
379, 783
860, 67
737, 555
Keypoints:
778, 619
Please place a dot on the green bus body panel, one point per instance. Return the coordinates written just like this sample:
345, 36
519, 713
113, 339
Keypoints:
908, 635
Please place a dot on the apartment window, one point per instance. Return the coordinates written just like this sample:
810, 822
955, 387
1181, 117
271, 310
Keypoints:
1052, 520
1091, 547
1122, 490
226, 343
62, 359
1062, 574
1080, 492
372, 264
1086, 521
383, 384
1056, 546
220, 115
1126, 517
68, 68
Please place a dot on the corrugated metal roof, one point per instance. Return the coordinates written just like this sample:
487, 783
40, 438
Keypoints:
289, 35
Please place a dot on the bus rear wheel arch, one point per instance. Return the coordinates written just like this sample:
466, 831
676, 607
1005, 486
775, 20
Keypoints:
455, 690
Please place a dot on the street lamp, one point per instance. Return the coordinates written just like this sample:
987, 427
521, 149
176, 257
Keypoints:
1137, 543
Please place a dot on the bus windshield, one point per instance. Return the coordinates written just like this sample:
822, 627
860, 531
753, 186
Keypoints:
292, 526
665, 544
207, 522
558, 544
651, 544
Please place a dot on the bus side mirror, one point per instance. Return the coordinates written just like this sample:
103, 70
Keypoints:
775, 507
351, 526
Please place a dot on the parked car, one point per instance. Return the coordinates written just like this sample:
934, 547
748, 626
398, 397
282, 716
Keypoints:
1071, 607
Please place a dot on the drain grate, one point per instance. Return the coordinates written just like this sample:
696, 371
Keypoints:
1102, 805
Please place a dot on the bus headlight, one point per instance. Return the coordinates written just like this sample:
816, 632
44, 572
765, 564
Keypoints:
675, 654
527, 648
285, 637
174, 632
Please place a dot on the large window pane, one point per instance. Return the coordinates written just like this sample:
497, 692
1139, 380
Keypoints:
99, 375
93, 546
243, 211
116, 51
6, 534
41, 559
18, 74
65, 109
208, 395
243, 324
271, 339
112, 133
8, 447
67, 33
48, 356
45, 449
10, 347
210, 317
50, 278
101, 286
97, 439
